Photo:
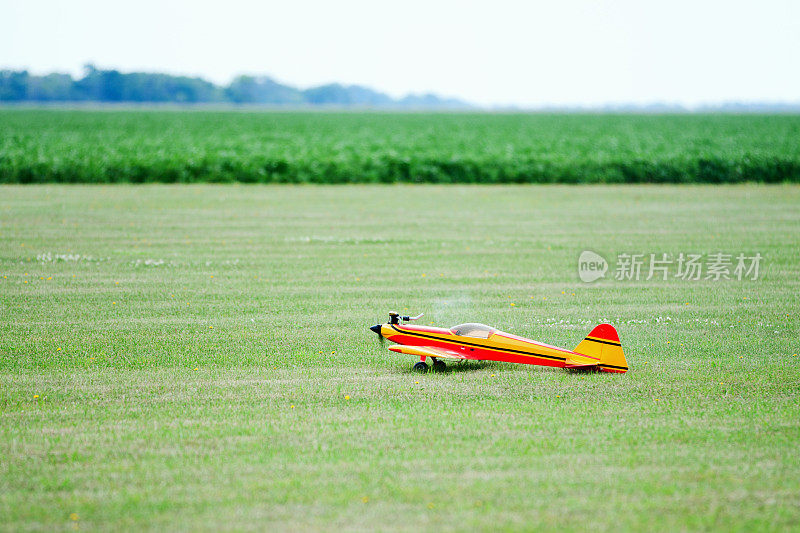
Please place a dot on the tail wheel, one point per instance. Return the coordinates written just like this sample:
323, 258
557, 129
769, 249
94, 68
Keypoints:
421, 366
439, 366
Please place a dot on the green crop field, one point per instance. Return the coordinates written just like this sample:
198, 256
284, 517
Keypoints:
40, 146
197, 357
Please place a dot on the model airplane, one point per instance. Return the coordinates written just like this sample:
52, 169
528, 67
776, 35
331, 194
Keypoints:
600, 350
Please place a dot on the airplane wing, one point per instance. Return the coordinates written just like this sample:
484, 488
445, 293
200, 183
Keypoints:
427, 351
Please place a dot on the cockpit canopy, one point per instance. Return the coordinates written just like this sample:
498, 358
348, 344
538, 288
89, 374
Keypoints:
471, 329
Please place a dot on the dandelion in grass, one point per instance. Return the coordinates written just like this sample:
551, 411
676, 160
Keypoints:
346, 396
365, 499
35, 396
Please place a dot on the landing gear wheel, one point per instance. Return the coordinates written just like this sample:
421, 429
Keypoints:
421, 367
439, 366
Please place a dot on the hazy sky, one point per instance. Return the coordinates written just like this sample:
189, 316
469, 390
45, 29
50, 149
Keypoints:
499, 52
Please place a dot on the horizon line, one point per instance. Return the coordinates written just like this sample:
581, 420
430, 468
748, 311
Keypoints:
456, 103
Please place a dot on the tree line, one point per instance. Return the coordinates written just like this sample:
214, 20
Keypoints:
99, 85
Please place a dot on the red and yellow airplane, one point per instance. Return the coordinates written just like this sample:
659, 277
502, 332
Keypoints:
600, 350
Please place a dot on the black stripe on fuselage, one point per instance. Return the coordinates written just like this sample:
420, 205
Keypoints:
464, 343
603, 342
612, 366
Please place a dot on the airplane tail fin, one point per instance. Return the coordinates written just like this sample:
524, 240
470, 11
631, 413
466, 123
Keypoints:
603, 343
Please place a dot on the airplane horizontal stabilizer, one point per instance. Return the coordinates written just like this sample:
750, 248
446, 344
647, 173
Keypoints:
573, 363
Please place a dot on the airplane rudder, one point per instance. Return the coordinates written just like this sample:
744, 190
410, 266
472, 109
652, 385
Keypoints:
603, 343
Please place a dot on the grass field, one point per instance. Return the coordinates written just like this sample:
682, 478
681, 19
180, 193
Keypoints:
40, 146
197, 357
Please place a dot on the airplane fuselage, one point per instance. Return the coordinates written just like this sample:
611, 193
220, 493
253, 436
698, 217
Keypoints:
499, 346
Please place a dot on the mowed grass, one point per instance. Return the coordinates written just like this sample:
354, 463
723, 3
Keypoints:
197, 357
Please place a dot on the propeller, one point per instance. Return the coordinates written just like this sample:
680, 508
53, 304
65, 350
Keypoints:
377, 329
394, 318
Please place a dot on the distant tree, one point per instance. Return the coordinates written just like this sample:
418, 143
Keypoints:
51, 88
112, 86
337, 94
359, 95
99, 85
430, 101
262, 90
333, 93
14, 85
90, 86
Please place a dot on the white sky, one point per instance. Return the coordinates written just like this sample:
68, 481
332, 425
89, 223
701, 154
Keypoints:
499, 52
